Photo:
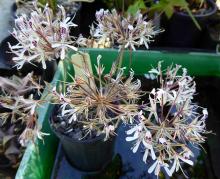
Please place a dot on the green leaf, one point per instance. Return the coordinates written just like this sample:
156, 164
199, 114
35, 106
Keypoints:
52, 4
193, 18
167, 6
169, 11
138, 5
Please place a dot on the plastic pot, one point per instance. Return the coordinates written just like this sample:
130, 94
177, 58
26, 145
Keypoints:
180, 30
91, 155
13, 10
214, 31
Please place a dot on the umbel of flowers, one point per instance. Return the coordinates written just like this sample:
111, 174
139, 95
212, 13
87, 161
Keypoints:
16, 97
112, 29
170, 124
42, 36
99, 103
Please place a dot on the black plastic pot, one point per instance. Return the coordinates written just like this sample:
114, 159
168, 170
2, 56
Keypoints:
181, 31
91, 155
211, 36
13, 10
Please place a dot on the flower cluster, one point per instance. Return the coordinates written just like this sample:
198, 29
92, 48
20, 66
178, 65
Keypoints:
20, 106
170, 124
100, 102
20, 86
41, 37
125, 32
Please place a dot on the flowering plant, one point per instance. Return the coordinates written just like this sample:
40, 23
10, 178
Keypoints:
170, 124
41, 37
98, 103
125, 32
20, 106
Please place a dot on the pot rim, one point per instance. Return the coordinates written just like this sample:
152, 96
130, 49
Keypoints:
213, 11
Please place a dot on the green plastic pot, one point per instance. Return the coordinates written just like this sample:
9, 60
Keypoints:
38, 159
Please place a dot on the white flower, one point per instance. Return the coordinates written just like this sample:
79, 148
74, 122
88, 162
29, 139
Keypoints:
205, 114
99, 14
54, 89
99, 68
150, 76
157, 166
70, 112
186, 157
126, 32
64, 99
130, 27
63, 47
109, 130
81, 41
137, 137
29, 105
170, 121
154, 71
41, 37
148, 146
162, 96
29, 134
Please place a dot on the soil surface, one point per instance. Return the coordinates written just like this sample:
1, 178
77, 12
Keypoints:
73, 130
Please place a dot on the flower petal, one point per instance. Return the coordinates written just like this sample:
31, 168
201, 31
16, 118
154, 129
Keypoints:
151, 169
136, 147
145, 155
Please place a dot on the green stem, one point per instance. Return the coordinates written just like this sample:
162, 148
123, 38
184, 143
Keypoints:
121, 55
64, 76
130, 61
193, 18
52, 4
